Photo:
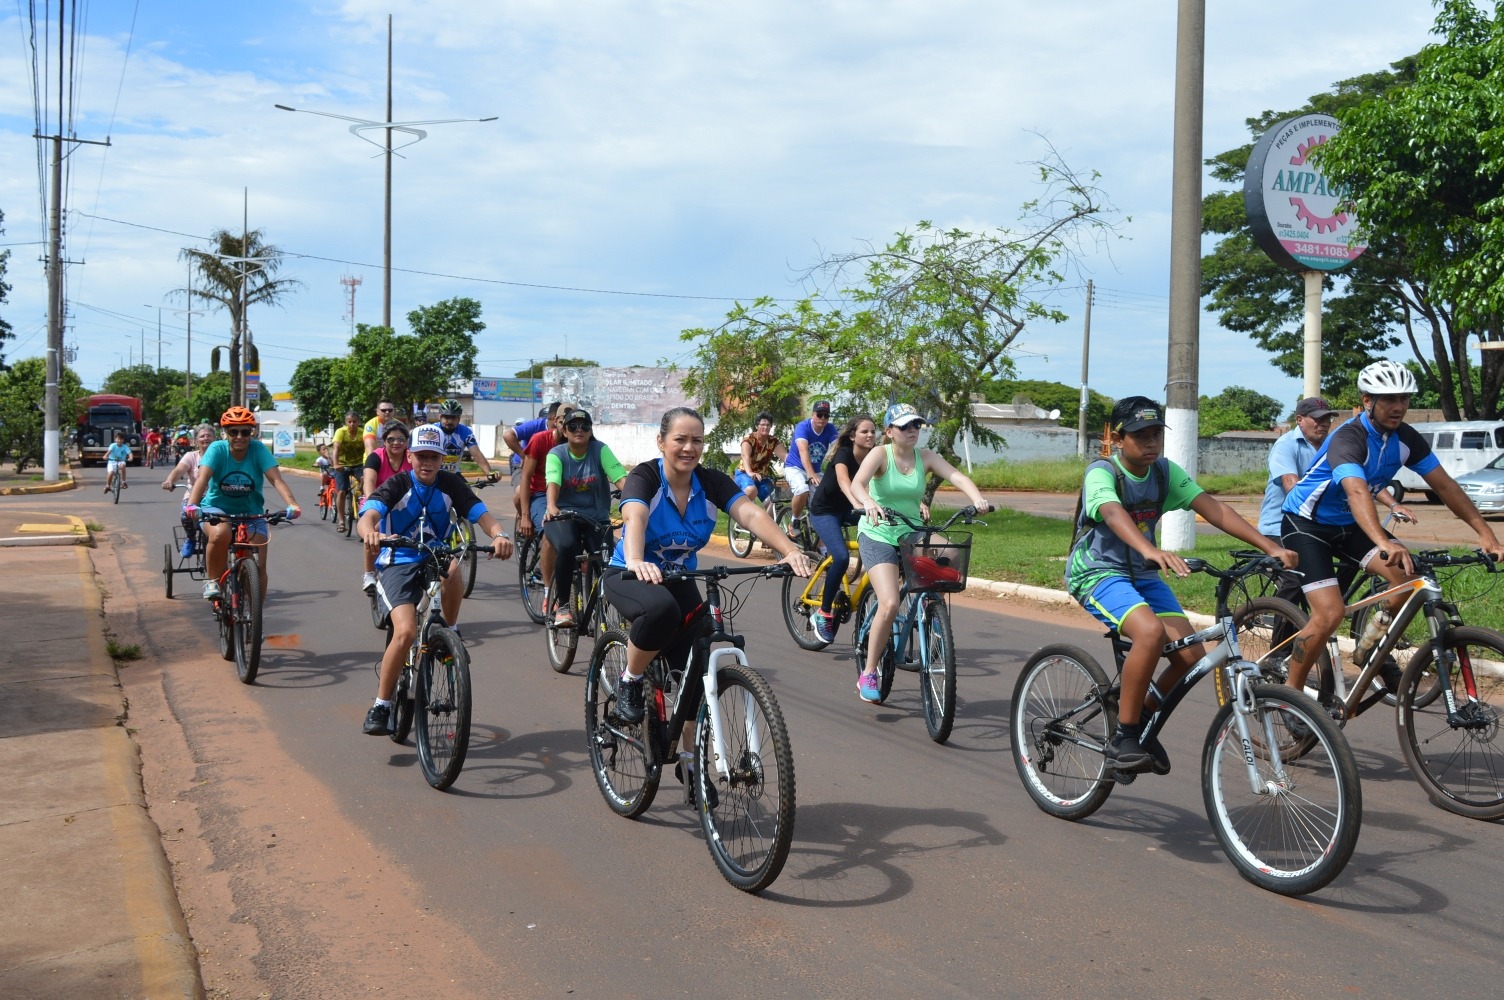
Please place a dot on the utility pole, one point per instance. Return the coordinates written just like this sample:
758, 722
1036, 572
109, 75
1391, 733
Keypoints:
1183, 369
1085, 355
386, 239
51, 404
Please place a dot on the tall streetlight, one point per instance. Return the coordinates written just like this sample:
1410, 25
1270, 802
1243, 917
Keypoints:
362, 125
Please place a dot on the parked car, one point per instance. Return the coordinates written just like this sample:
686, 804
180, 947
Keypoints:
1462, 446
1485, 487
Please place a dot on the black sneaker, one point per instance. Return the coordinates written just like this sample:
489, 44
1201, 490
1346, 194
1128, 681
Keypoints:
378, 721
630, 705
1126, 755
1390, 673
1160, 763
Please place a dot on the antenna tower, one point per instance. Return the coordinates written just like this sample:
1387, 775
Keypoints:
350, 283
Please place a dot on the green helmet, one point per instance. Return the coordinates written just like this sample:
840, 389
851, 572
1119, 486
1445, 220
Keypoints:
450, 408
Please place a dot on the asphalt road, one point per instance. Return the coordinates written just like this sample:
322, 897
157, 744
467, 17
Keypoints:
916, 869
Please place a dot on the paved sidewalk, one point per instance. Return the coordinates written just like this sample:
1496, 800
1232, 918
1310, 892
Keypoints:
91, 909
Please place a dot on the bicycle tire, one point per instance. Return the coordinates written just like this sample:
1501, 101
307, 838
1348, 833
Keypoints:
739, 539
937, 671
116, 489
624, 771
800, 600
563, 641
752, 825
1258, 623
887, 663
1058, 701
441, 708
226, 628
167, 567
246, 611
528, 579
471, 557
325, 506
403, 706
861, 623
1458, 759
1295, 833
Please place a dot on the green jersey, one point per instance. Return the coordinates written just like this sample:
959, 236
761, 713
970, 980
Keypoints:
1098, 552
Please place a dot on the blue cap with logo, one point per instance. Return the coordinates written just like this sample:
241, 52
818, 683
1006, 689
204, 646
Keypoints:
902, 415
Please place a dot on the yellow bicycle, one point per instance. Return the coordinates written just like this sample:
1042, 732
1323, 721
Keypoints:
802, 599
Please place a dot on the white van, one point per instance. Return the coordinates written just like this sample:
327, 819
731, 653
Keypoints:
1462, 446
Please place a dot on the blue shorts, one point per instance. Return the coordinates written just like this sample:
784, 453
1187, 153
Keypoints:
536, 508
764, 485
1115, 597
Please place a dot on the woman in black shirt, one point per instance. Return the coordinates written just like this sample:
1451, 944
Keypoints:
832, 507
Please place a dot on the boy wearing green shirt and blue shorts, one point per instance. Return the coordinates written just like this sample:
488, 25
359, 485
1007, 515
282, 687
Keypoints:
1115, 564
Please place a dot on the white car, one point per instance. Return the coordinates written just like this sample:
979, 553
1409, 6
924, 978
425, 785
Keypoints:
1485, 487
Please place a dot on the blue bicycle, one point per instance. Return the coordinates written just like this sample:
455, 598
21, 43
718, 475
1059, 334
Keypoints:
934, 567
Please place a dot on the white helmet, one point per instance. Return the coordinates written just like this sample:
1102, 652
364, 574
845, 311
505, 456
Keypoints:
1386, 378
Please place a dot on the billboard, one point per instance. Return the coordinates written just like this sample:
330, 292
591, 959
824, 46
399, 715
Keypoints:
1298, 219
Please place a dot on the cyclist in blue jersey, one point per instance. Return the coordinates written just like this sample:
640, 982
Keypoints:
668, 509
420, 505
459, 439
1329, 514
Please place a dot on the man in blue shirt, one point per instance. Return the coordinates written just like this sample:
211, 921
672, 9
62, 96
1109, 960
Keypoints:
812, 439
1330, 514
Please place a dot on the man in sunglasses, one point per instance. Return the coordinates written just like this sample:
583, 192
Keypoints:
232, 485
459, 439
374, 430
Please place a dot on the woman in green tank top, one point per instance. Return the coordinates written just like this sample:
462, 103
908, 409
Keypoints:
893, 476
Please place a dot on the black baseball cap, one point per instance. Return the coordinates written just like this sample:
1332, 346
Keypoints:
578, 416
821, 407
1134, 413
1315, 407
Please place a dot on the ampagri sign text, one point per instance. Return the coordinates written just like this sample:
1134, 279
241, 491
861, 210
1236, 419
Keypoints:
1298, 219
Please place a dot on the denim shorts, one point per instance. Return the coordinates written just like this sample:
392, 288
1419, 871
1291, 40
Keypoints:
1116, 597
764, 485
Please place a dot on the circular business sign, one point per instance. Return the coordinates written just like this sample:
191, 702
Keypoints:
1299, 220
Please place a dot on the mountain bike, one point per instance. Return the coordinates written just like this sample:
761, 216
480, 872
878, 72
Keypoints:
592, 614
802, 598
921, 639
1450, 693
434, 686
1278, 778
741, 539
741, 771
237, 609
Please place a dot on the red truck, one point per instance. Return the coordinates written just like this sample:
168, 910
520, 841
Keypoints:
99, 417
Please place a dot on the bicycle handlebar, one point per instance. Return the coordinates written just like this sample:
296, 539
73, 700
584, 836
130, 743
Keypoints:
721, 572
575, 515
270, 517
1246, 563
435, 548
966, 515
1445, 557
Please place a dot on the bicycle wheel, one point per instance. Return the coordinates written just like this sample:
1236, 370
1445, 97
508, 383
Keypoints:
1264, 627
118, 483
1456, 756
1292, 827
325, 506
801, 599
471, 558
442, 708
528, 578
563, 640
861, 636
627, 777
739, 538
403, 705
1060, 727
937, 670
167, 563
749, 820
226, 624
245, 610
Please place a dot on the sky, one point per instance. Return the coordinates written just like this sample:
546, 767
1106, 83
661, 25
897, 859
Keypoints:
652, 162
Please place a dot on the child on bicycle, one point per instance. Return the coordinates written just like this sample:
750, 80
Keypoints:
1115, 561
116, 459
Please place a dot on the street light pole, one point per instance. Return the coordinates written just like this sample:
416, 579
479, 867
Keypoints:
387, 150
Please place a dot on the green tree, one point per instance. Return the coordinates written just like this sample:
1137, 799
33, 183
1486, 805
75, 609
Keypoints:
1237, 409
312, 387
159, 389
536, 371
240, 272
935, 314
210, 399
5, 330
1425, 164
1251, 294
22, 389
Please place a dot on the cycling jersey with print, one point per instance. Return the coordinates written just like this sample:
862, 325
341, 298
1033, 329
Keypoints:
1356, 450
422, 513
673, 538
456, 443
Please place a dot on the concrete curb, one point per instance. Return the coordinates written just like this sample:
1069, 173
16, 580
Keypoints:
64, 484
78, 535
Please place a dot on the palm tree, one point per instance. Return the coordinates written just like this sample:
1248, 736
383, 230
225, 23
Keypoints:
239, 272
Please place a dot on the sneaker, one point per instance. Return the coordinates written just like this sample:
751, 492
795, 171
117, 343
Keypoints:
564, 618
107, 489
868, 687
211, 590
187, 549
368, 582
1160, 760
630, 700
1126, 755
1390, 673
825, 625
378, 721
684, 770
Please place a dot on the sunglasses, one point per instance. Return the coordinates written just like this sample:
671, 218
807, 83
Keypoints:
576, 425
396, 439
239, 432
386, 410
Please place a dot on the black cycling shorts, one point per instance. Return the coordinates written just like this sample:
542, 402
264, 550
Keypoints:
1326, 551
